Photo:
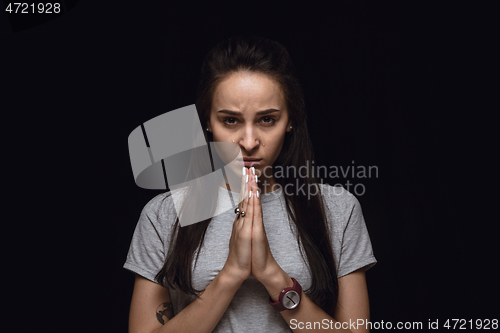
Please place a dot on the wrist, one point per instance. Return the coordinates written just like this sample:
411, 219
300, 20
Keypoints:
230, 279
275, 283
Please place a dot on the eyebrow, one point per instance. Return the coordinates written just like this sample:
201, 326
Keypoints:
235, 113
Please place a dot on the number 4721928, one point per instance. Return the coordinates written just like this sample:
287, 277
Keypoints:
26, 8
463, 324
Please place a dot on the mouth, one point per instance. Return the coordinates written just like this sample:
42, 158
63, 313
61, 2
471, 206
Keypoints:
250, 162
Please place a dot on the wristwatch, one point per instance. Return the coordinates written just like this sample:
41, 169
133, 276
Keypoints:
289, 297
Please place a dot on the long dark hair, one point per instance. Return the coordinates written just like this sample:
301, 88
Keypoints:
256, 54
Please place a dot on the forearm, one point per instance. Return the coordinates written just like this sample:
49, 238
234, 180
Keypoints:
304, 317
203, 314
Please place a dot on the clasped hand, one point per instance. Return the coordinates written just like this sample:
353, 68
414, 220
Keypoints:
249, 251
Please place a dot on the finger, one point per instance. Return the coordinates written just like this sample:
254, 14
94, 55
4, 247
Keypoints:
244, 187
244, 172
250, 206
244, 194
253, 183
258, 223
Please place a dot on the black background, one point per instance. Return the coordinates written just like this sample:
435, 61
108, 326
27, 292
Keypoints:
77, 86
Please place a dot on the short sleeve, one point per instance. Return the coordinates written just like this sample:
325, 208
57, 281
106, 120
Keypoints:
146, 255
356, 248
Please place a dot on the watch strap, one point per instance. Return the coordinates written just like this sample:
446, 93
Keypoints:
278, 305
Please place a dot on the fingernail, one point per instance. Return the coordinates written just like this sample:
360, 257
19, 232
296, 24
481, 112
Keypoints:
256, 178
244, 171
253, 170
250, 195
257, 194
246, 180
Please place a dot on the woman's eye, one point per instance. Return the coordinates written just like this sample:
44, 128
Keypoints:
229, 121
268, 120
265, 120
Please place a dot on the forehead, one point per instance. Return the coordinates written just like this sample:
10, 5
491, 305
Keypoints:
247, 91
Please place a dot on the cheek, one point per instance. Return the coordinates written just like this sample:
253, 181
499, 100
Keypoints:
275, 145
217, 133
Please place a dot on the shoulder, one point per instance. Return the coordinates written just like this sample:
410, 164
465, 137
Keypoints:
157, 203
341, 206
338, 200
161, 209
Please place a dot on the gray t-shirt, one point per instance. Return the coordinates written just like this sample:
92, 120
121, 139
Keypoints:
249, 310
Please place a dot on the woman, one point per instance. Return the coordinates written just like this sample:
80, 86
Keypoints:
287, 258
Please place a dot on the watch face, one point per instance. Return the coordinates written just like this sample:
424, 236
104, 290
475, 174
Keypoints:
291, 299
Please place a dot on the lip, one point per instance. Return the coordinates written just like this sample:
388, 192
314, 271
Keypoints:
250, 162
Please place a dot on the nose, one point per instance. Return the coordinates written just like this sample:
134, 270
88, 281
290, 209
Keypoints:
249, 141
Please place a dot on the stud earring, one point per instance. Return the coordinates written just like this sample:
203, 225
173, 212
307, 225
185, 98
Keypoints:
290, 127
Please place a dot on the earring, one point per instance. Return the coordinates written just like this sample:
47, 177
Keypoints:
290, 127
207, 130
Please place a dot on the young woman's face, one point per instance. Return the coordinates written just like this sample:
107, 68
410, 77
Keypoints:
249, 109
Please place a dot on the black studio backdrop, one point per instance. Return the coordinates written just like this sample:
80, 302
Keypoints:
79, 84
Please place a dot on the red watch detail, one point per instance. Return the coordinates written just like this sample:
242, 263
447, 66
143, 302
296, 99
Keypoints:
289, 297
